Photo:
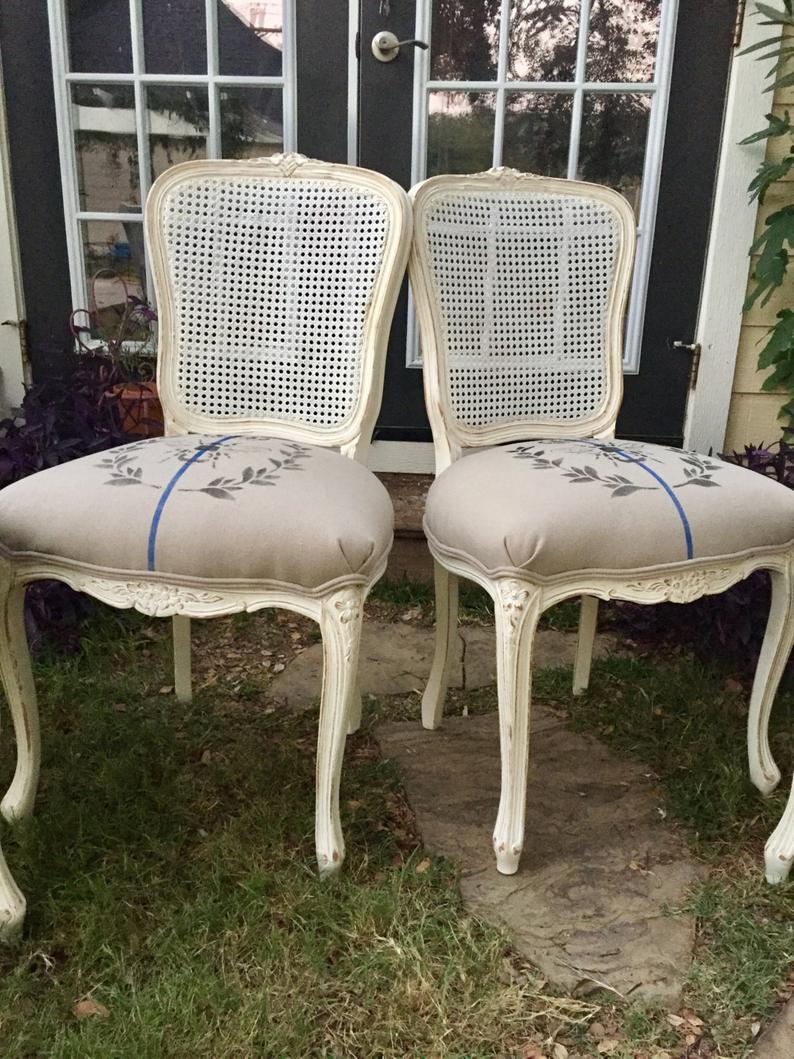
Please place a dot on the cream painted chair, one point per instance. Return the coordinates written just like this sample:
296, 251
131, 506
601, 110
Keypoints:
276, 281
520, 286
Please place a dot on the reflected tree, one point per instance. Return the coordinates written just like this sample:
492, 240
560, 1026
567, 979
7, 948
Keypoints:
542, 46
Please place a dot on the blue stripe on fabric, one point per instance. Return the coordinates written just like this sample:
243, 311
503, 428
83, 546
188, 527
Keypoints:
158, 511
681, 513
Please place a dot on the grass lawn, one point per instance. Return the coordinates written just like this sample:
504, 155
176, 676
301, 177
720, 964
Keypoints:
173, 903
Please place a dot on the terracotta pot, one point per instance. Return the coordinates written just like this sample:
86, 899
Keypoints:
140, 411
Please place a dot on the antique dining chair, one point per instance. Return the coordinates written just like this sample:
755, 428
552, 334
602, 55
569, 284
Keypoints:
520, 285
276, 281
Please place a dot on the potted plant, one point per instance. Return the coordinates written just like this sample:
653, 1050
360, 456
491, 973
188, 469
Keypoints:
121, 331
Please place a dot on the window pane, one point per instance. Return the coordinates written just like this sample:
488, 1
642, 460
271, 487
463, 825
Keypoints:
537, 132
612, 148
114, 268
543, 36
460, 132
251, 122
178, 125
99, 36
250, 37
106, 147
464, 40
622, 41
175, 36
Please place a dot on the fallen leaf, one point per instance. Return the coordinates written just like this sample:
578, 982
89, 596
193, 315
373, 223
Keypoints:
89, 1008
755, 1028
166, 689
559, 1051
422, 866
279, 667
608, 1045
206, 757
675, 1020
409, 615
595, 1029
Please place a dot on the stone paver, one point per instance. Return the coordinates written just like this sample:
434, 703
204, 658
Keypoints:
599, 866
777, 1042
395, 659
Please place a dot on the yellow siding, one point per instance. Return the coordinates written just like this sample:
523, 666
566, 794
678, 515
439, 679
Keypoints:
752, 418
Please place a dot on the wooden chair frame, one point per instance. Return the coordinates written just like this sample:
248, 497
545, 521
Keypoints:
520, 601
338, 608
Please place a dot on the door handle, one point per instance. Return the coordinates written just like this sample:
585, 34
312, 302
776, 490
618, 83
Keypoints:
386, 47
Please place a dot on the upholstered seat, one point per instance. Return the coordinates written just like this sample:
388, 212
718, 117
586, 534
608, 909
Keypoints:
258, 509
559, 507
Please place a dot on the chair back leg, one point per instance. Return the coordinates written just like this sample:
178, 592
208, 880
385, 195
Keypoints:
588, 620
183, 676
446, 586
17, 678
340, 624
517, 608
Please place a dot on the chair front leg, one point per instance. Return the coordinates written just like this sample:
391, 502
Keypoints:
17, 678
588, 620
446, 586
354, 716
340, 624
183, 678
518, 606
772, 660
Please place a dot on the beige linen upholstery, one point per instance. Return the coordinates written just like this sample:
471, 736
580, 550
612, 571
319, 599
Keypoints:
250, 508
554, 507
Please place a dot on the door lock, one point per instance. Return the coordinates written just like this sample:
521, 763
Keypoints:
386, 47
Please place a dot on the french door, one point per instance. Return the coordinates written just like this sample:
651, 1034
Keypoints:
628, 93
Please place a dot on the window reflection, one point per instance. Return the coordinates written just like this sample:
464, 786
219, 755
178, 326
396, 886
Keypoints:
465, 40
251, 122
178, 125
612, 147
542, 40
250, 37
460, 132
623, 39
106, 147
537, 132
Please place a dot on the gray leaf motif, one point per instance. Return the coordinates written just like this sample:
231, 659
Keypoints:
226, 488
123, 471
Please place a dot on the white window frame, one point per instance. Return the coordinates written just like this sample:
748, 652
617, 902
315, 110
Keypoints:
658, 90
212, 80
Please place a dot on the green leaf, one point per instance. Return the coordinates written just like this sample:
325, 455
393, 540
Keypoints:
782, 82
779, 18
768, 42
776, 127
781, 341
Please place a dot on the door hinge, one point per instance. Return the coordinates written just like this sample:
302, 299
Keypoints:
741, 6
694, 366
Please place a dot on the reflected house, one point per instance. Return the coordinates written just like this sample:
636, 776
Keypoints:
177, 119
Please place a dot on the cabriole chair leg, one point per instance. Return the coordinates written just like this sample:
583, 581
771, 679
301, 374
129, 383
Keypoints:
779, 849
517, 608
183, 677
588, 620
20, 692
446, 586
340, 624
775, 651
354, 710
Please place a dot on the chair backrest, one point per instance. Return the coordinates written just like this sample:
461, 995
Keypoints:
276, 281
520, 285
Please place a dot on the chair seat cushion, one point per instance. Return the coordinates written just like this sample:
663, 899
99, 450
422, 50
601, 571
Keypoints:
251, 508
562, 506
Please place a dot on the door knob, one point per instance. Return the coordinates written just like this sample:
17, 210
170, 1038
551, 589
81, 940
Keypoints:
386, 47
